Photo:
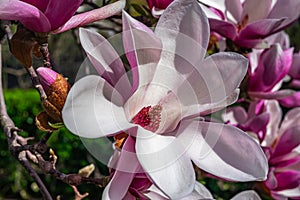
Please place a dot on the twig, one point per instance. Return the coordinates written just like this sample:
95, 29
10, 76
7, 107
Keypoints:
36, 83
45, 52
11, 133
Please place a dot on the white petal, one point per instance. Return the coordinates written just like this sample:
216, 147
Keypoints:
200, 192
247, 195
94, 109
105, 60
290, 192
165, 162
273, 108
223, 150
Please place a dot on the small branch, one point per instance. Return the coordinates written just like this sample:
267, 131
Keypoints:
36, 83
46, 55
11, 133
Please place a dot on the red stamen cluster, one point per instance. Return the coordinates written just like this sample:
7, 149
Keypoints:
149, 117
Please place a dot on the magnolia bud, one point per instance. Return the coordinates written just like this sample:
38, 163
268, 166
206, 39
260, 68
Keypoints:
56, 88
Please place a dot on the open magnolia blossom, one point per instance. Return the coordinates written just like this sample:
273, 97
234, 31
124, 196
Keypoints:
281, 142
53, 15
172, 85
247, 22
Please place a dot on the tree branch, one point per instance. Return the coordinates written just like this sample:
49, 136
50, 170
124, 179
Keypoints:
11, 133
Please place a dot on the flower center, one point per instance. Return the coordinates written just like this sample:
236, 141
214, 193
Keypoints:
243, 23
149, 117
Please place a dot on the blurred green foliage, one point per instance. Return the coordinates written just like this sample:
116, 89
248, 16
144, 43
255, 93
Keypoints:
22, 106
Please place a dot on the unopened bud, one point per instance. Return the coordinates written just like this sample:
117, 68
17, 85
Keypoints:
56, 88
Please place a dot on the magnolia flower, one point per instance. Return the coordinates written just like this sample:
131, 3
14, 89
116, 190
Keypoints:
53, 15
172, 85
247, 22
281, 142
137, 185
268, 69
282, 148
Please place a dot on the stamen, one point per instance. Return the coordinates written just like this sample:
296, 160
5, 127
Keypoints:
149, 117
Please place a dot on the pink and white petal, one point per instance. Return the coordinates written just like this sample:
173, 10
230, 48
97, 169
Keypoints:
288, 180
226, 29
289, 140
59, 13
291, 101
105, 60
246, 195
125, 172
213, 81
278, 95
290, 193
161, 157
295, 68
235, 115
282, 38
256, 9
223, 150
261, 28
205, 109
199, 192
292, 118
275, 113
92, 16
285, 9
41, 5
141, 46
273, 66
179, 40
93, 109
235, 8
218, 4
155, 193
27, 14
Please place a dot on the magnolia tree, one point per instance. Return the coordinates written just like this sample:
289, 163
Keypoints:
190, 91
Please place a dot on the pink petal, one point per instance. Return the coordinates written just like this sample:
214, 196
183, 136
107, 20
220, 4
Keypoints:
59, 13
288, 141
273, 65
282, 38
288, 9
235, 115
141, 46
92, 16
291, 119
256, 9
125, 172
224, 28
291, 101
295, 68
41, 5
223, 151
105, 60
165, 162
287, 180
28, 15
235, 8
261, 28
93, 109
